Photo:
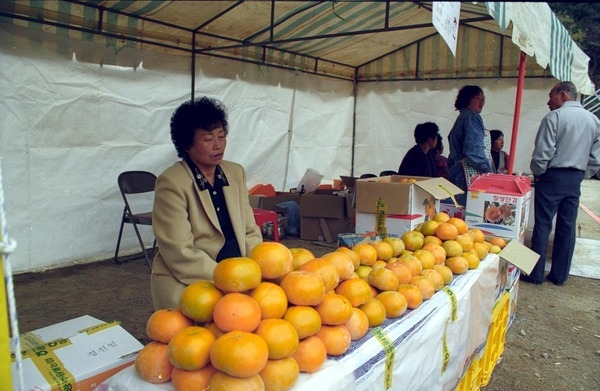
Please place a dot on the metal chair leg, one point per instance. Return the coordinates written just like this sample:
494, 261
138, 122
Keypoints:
119, 238
137, 232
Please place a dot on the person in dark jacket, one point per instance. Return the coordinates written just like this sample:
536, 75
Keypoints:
418, 161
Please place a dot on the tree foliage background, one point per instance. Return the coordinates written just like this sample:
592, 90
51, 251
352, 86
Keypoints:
582, 20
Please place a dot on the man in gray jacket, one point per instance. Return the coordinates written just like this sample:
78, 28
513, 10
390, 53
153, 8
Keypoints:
567, 150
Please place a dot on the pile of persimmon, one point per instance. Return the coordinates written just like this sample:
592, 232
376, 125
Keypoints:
279, 312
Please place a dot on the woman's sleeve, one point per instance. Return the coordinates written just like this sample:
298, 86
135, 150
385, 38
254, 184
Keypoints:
474, 144
173, 232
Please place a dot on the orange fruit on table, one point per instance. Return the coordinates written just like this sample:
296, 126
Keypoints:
458, 265
334, 309
439, 254
383, 279
435, 277
441, 217
412, 263
413, 295
384, 250
397, 245
336, 338
402, 271
394, 302
237, 311
356, 290
328, 272
300, 256
183, 380
426, 258
428, 228
366, 252
305, 319
453, 248
198, 300
446, 231
413, 240
352, 254
271, 298
280, 335
221, 381
481, 250
212, 327
460, 224
163, 324
152, 363
477, 235
375, 311
189, 349
311, 354
239, 353
303, 288
280, 374
498, 242
472, 258
274, 258
342, 262
238, 274
445, 272
357, 325
466, 241
425, 285
432, 239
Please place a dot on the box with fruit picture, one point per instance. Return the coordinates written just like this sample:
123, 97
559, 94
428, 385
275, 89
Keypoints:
499, 205
400, 202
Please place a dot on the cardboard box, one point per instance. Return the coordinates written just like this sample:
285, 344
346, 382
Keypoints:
453, 210
324, 216
77, 354
270, 203
499, 205
404, 204
395, 225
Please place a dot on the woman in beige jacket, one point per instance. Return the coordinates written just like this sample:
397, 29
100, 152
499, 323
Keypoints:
201, 209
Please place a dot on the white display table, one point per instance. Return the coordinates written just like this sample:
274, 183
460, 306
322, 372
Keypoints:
432, 345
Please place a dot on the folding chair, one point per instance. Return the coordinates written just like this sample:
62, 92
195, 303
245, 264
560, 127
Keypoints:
130, 184
388, 172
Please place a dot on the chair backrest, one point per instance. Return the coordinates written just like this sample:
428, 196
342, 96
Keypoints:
136, 182
388, 172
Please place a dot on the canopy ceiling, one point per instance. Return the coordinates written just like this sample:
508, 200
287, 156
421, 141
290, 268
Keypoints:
352, 40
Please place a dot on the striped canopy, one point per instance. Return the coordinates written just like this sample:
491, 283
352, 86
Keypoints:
361, 41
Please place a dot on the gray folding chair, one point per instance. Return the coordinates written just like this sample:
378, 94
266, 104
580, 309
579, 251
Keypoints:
135, 183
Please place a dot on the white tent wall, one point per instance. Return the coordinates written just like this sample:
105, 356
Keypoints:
387, 113
68, 128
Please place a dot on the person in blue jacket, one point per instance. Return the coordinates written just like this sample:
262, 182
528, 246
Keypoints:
470, 142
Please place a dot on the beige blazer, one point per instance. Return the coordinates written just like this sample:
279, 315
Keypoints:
187, 229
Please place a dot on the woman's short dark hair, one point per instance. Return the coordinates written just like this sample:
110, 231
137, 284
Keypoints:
425, 131
203, 113
464, 96
495, 135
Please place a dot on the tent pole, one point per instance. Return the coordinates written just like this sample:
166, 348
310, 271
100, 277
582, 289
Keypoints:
517, 115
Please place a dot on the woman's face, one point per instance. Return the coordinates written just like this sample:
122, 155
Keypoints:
498, 144
208, 148
477, 102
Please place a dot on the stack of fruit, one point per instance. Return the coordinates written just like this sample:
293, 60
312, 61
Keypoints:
281, 311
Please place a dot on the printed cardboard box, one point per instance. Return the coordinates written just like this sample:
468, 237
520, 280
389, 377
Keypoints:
499, 205
324, 216
78, 354
404, 201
